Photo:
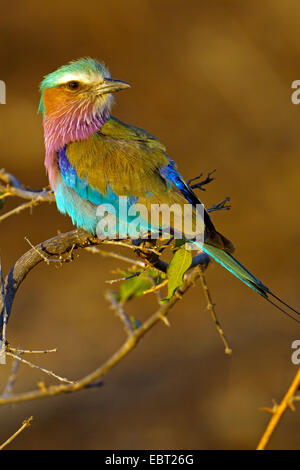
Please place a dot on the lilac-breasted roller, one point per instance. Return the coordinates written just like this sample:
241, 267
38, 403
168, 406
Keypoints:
93, 158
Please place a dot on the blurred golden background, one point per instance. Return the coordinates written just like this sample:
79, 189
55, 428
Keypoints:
213, 81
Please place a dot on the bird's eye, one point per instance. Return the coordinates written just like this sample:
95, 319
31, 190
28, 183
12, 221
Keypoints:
73, 85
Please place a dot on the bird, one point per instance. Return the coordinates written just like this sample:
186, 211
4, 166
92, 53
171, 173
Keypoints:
92, 158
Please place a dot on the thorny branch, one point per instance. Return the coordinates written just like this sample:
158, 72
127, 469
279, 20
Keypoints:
131, 342
10, 186
278, 411
60, 249
211, 308
26, 423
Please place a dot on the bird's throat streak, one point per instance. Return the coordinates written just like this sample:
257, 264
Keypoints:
74, 124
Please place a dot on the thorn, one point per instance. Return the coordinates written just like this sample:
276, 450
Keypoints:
228, 351
27, 421
291, 405
165, 320
178, 294
42, 386
268, 410
275, 405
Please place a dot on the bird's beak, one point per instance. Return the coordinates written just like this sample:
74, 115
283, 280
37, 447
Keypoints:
110, 85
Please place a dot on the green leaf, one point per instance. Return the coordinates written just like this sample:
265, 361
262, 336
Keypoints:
134, 287
178, 265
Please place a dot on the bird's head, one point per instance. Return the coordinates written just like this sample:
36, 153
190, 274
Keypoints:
76, 100
81, 81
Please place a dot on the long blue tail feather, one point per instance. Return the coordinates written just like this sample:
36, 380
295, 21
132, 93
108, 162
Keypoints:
237, 269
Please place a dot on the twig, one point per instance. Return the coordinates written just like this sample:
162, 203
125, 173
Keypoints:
34, 366
60, 246
279, 410
15, 188
118, 308
56, 246
20, 208
125, 278
4, 195
30, 351
124, 350
25, 425
156, 288
37, 251
129, 245
210, 307
12, 378
63, 245
111, 254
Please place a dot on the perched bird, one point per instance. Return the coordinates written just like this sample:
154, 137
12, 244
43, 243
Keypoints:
93, 158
